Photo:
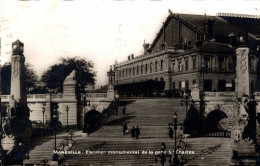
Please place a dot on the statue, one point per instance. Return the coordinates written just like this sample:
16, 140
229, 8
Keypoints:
241, 121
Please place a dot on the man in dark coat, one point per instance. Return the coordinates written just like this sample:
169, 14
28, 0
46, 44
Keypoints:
125, 129
133, 132
171, 133
137, 132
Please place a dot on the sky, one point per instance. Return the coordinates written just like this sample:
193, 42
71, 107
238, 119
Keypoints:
102, 31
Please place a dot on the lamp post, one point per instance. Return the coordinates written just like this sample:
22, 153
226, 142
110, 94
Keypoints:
23, 153
163, 155
84, 103
203, 70
67, 109
1, 134
55, 155
175, 127
43, 111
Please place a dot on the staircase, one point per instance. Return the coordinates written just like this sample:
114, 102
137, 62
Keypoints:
152, 116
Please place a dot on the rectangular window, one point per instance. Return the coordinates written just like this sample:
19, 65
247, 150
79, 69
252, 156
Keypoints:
137, 72
221, 63
146, 66
161, 65
221, 85
151, 67
156, 66
207, 62
173, 86
187, 85
194, 62
130, 72
179, 85
207, 85
186, 64
179, 66
173, 66
133, 71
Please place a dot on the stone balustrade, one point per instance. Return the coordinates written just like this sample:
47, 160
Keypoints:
219, 96
97, 97
37, 97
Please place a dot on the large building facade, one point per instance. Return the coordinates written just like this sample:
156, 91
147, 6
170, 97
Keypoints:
191, 49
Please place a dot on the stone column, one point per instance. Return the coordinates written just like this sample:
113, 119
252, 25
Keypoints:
243, 147
18, 90
17, 121
242, 71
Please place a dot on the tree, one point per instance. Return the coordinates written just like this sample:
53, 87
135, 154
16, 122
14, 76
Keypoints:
54, 77
29, 81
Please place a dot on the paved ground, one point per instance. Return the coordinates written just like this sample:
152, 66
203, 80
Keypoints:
152, 116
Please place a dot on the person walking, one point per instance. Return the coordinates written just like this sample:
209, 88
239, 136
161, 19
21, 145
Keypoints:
170, 132
137, 132
125, 129
133, 132
124, 109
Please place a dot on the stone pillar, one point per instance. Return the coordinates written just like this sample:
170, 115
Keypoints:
110, 93
70, 100
18, 90
242, 71
17, 121
243, 147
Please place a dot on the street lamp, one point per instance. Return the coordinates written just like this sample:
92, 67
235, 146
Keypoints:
67, 109
23, 153
203, 70
186, 102
163, 155
43, 111
1, 134
175, 127
55, 155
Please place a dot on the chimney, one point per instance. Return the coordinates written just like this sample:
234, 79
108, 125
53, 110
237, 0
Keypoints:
232, 39
132, 56
209, 28
128, 57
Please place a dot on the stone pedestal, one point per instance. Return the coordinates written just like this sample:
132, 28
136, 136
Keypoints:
110, 93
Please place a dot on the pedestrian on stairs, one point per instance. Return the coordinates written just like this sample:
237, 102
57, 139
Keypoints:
137, 132
170, 132
125, 129
124, 109
133, 132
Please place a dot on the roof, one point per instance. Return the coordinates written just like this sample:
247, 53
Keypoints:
212, 46
248, 23
221, 26
224, 24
